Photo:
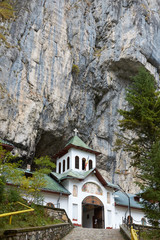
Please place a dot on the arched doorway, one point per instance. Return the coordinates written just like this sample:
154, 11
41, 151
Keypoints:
92, 213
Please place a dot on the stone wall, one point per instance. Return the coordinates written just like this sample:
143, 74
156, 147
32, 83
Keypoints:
57, 213
50, 232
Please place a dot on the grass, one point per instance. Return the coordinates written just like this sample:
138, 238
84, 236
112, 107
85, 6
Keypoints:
151, 235
36, 218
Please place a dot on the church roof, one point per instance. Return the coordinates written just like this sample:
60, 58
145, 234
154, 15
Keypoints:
51, 185
122, 200
75, 142
54, 186
72, 174
80, 175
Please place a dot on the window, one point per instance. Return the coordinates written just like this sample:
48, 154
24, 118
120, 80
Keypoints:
75, 212
50, 205
143, 221
75, 191
68, 163
77, 162
63, 165
83, 163
108, 198
90, 164
59, 167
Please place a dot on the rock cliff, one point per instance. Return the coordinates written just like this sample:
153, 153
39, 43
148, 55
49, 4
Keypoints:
67, 66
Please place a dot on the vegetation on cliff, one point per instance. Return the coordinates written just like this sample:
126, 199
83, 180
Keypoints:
6, 9
140, 136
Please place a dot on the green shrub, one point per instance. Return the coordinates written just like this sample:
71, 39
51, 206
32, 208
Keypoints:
2, 189
75, 69
13, 196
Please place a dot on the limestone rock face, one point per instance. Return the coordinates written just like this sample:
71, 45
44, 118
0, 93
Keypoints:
42, 99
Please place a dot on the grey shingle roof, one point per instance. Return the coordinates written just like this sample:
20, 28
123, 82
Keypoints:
72, 174
54, 186
122, 200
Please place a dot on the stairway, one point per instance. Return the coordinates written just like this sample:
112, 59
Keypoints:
94, 234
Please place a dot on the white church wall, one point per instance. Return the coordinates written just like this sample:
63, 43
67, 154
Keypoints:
72, 153
82, 195
60, 160
55, 199
82, 154
137, 215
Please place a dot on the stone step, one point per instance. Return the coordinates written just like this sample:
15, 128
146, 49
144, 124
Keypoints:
94, 234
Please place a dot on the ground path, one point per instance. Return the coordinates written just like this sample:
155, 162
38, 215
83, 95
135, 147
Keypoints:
94, 234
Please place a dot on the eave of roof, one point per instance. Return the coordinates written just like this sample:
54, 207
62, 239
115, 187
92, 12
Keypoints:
65, 150
122, 200
81, 175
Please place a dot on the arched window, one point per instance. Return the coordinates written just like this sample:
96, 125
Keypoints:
50, 205
143, 221
90, 164
59, 167
108, 198
63, 165
68, 162
83, 163
77, 162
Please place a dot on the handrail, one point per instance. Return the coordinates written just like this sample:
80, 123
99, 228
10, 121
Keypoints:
134, 235
17, 212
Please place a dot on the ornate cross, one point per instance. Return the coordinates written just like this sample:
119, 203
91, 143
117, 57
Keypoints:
75, 131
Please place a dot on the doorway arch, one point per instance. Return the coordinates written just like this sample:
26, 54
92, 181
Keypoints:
92, 213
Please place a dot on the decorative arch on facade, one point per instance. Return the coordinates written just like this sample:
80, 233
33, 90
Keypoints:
75, 191
92, 188
93, 201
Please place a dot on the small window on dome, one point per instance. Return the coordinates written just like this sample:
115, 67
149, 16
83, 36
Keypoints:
90, 164
77, 162
63, 165
59, 167
83, 163
68, 163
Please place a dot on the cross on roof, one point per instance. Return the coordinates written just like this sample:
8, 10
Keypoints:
75, 131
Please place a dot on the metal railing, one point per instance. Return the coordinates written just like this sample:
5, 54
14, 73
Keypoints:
10, 214
134, 235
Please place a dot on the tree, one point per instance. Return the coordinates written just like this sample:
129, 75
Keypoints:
29, 187
140, 136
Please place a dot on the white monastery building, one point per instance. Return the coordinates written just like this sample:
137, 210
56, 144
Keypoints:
79, 188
